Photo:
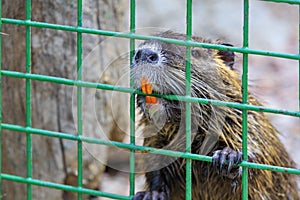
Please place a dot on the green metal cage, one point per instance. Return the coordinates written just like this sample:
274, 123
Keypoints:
79, 138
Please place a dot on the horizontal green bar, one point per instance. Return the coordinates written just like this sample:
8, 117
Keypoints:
62, 187
103, 142
65, 81
271, 168
177, 154
284, 1
231, 105
143, 37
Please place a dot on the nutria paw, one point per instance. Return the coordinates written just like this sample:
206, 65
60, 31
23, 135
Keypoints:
220, 157
150, 195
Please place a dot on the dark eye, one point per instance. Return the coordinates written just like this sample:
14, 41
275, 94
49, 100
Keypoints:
196, 53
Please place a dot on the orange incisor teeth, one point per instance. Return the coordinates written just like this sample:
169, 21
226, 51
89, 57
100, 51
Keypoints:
147, 89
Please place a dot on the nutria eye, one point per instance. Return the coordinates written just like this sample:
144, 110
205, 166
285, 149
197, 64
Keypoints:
196, 53
153, 58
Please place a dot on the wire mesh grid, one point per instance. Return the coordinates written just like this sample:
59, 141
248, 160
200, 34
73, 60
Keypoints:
79, 138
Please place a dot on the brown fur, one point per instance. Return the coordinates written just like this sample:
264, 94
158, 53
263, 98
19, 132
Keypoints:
212, 78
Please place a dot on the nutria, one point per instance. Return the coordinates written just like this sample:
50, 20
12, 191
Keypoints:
216, 131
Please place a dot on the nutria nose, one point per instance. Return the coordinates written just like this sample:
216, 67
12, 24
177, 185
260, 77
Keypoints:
146, 55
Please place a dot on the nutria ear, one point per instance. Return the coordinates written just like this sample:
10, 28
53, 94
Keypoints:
227, 56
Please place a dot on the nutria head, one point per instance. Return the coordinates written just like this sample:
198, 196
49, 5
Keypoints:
163, 65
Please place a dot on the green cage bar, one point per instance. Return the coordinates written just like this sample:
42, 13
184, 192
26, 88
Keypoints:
245, 101
79, 99
1, 195
131, 90
187, 104
176, 154
144, 37
79, 138
62, 187
28, 100
284, 1
132, 103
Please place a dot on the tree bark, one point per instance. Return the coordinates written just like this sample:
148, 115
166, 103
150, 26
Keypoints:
53, 105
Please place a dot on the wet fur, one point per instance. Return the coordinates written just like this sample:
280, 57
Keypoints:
212, 78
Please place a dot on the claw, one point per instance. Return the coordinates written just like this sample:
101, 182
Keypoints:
238, 158
223, 159
230, 164
232, 157
148, 196
215, 158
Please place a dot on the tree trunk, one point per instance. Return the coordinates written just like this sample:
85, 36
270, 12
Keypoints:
54, 105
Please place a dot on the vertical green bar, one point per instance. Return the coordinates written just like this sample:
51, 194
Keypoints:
132, 102
79, 97
0, 99
245, 100
188, 105
28, 100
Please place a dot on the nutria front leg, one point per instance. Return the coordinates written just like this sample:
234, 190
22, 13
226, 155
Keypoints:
228, 170
150, 195
158, 188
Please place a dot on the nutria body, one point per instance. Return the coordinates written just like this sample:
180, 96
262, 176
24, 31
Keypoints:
216, 131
